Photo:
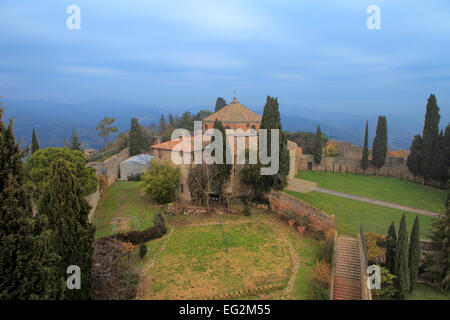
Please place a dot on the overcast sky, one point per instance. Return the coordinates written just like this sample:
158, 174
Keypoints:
176, 54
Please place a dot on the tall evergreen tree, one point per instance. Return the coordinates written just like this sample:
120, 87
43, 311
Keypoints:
401, 260
27, 259
271, 120
318, 146
414, 255
172, 121
439, 257
391, 244
429, 136
379, 147
135, 138
75, 141
438, 157
67, 210
34, 143
414, 156
365, 154
220, 173
220, 103
162, 124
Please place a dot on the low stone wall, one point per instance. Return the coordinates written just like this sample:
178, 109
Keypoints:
318, 220
93, 199
394, 167
111, 166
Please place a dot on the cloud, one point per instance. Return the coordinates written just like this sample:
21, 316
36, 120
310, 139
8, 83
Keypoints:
83, 70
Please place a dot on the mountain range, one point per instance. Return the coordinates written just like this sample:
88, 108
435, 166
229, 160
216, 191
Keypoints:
54, 121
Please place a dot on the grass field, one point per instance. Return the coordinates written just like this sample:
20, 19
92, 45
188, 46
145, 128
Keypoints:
350, 214
380, 188
196, 263
123, 199
427, 292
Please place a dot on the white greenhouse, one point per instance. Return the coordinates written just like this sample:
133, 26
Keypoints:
135, 165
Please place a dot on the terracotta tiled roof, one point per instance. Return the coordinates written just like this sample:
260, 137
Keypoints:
177, 145
234, 113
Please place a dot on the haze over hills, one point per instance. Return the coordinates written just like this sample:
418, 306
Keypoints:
54, 121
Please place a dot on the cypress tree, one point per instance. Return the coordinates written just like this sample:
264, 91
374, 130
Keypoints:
134, 138
34, 142
75, 141
172, 121
223, 170
67, 211
430, 136
391, 244
365, 154
438, 157
220, 103
379, 147
414, 254
401, 260
271, 120
162, 124
27, 259
414, 156
318, 146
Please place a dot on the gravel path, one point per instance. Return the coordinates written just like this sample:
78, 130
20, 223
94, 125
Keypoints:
378, 202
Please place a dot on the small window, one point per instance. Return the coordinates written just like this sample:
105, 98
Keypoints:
181, 188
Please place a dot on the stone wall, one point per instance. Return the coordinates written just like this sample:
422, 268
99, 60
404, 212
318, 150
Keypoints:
394, 167
93, 199
111, 165
319, 221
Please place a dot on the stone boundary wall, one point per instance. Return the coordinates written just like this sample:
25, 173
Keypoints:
394, 167
319, 220
93, 199
111, 165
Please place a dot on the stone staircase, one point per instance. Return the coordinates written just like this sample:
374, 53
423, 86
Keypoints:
347, 277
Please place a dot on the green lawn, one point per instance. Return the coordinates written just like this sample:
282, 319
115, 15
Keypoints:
196, 264
427, 292
122, 200
350, 214
380, 188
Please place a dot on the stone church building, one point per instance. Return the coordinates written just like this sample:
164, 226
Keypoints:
233, 116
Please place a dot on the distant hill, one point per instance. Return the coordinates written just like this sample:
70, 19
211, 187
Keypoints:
54, 121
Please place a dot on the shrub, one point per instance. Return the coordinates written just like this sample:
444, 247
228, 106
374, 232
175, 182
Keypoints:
113, 278
322, 272
135, 177
388, 288
326, 251
299, 221
320, 292
160, 223
246, 212
138, 237
142, 250
375, 244
161, 181
331, 150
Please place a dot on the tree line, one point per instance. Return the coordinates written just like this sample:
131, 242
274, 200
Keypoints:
430, 152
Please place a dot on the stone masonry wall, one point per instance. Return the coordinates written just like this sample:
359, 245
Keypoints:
394, 167
319, 221
112, 166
